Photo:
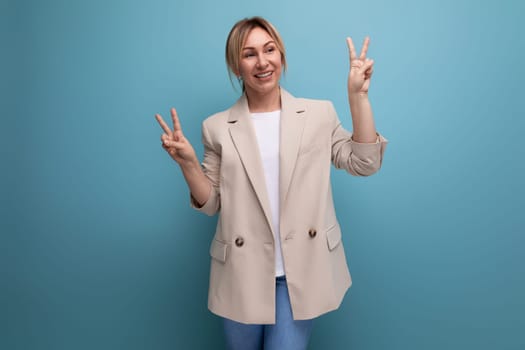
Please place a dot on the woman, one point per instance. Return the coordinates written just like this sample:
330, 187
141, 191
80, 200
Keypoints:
277, 260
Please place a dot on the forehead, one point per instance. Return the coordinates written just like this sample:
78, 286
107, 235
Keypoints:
257, 37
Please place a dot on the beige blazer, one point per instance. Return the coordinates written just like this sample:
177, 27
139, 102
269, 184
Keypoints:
242, 275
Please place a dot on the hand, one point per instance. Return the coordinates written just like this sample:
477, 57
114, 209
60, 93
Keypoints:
361, 69
174, 142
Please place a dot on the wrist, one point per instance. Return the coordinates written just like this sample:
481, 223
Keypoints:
358, 95
190, 165
358, 101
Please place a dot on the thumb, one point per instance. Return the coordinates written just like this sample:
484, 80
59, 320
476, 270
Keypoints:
366, 66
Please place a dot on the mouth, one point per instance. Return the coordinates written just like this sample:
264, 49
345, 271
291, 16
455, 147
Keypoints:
263, 75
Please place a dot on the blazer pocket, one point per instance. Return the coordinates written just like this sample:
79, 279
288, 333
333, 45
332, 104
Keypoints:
333, 236
218, 250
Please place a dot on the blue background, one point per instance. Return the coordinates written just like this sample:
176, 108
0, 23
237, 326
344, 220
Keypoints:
99, 248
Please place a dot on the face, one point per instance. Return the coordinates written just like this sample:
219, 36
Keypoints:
260, 64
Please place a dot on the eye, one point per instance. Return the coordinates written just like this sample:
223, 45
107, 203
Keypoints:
270, 49
248, 54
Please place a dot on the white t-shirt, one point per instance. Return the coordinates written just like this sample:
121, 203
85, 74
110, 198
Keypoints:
267, 129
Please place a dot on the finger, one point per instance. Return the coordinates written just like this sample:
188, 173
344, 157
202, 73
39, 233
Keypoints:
175, 118
366, 66
351, 48
178, 135
364, 50
163, 124
164, 138
173, 144
356, 64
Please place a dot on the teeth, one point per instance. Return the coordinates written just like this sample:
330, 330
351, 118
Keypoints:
264, 75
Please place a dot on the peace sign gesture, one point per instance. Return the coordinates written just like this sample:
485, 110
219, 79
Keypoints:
361, 68
174, 142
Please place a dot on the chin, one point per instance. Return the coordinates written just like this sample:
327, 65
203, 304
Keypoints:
268, 88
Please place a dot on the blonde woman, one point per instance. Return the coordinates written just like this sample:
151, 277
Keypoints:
277, 259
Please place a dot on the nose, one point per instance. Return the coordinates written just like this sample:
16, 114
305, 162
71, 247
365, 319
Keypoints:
262, 62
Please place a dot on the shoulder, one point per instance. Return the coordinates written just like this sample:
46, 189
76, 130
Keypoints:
218, 123
316, 105
318, 110
230, 115
319, 114
217, 118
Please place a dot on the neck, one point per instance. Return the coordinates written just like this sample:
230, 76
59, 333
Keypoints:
268, 102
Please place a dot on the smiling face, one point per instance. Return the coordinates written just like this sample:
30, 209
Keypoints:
260, 63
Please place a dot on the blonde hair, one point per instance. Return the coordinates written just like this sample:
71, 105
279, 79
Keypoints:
237, 37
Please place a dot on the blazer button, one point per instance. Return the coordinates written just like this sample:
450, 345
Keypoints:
239, 242
312, 233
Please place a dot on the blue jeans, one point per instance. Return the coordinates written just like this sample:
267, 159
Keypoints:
285, 334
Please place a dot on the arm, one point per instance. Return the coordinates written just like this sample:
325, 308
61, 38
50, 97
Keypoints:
198, 183
357, 158
361, 69
361, 152
211, 165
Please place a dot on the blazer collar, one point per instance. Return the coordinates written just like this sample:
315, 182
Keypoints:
288, 104
293, 117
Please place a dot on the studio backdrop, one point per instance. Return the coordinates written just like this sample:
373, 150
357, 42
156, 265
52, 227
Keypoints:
99, 248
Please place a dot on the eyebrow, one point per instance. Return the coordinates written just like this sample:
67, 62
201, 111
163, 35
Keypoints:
253, 48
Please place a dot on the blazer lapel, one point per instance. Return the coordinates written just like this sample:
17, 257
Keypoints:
245, 141
293, 119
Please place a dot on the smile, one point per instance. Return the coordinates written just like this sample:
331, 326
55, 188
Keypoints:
263, 75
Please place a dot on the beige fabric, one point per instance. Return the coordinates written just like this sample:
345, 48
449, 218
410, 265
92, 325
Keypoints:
242, 281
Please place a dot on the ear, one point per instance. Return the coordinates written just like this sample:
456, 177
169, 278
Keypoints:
237, 71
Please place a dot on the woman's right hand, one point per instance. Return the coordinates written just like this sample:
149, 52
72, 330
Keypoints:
174, 142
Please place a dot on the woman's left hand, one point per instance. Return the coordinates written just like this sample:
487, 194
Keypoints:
361, 69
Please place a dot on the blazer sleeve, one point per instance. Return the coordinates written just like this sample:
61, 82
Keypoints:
211, 166
359, 159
